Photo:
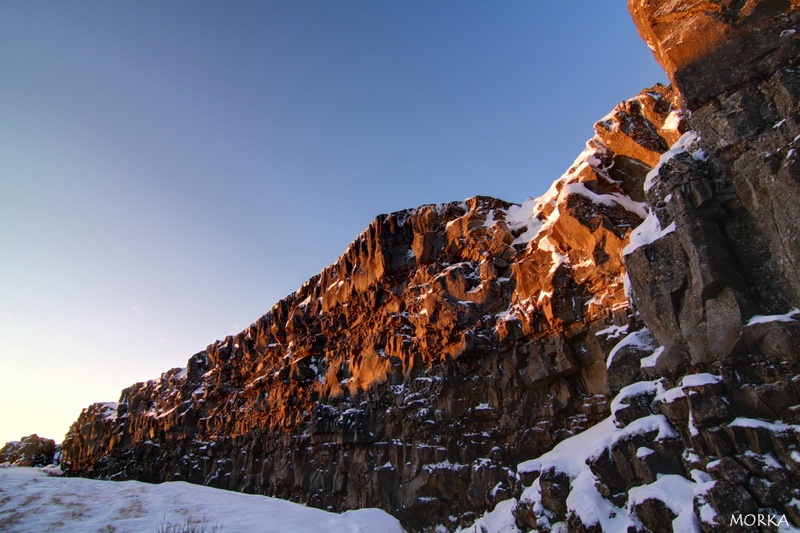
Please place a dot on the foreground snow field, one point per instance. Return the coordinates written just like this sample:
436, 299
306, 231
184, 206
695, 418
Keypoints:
30, 501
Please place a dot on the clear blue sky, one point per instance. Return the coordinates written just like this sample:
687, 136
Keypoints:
169, 170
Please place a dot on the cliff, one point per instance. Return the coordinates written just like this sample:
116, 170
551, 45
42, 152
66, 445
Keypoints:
447, 344
618, 354
704, 434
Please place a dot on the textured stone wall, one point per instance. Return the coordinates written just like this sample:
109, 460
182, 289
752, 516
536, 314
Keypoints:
705, 424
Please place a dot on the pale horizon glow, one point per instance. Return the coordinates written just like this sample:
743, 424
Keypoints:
169, 171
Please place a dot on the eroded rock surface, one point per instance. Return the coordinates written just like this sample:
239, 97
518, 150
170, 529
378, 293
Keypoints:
447, 344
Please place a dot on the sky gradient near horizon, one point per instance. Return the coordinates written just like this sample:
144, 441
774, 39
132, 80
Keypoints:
169, 170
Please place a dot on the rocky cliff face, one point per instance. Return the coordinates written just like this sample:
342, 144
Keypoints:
704, 433
545, 361
447, 344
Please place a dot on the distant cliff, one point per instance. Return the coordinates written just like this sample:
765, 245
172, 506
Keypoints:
619, 353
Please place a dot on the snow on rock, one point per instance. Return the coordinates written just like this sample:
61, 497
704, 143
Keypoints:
569, 456
677, 493
499, 519
692, 380
605, 199
639, 339
647, 232
591, 508
640, 388
786, 317
575, 457
683, 144
612, 332
521, 217
774, 427
34, 502
698, 380
651, 360
109, 410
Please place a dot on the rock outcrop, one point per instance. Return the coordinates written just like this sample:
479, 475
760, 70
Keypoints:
704, 430
446, 345
32, 450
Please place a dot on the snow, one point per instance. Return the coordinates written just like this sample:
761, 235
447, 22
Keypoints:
677, 493
500, 519
767, 459
639, 339
109, 411
556, 257
641, 426
673, 120
761, 319
571, 456
610, 200
527, 219
591, 507
651, 360
443, 465
775, 427
626, 287
692, 427
670, 395
517, 218
680, 146
647, 232
612, 332
698, 380
644, 451
32, 502
636, 389
692, 380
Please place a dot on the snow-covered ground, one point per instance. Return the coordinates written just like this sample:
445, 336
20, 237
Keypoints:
31, 501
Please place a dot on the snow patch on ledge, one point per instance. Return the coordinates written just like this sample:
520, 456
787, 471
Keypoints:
761, 319
108, 410
641, 339
647, 232
680, 146
775, 427
651, 360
